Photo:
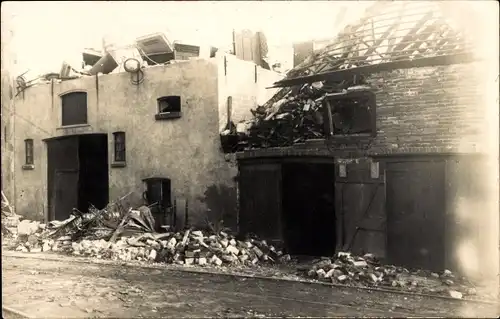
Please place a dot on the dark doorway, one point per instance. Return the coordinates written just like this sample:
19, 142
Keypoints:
93, 177
77, 174
309, 208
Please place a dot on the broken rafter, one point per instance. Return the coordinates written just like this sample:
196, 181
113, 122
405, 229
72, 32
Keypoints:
395, 30
410, 36
380, 58
337, 75
421, 37
359, 32
386, 34
348, 30
327, 61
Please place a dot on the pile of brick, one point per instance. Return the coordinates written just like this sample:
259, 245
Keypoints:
10, 219
346, 269
29, 236
186, 248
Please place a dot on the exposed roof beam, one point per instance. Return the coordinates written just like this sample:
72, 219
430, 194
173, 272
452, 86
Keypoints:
338, 75
405, 41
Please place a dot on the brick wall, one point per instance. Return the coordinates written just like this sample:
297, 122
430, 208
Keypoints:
441, 109
431, 109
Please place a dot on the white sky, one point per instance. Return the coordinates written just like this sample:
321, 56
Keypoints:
45, 33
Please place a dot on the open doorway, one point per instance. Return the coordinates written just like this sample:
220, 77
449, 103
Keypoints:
309, 208
93, 178
77, 174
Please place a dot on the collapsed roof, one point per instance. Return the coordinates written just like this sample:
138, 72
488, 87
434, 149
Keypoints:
391, 35
397, 34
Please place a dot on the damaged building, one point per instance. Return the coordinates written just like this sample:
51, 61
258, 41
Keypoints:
123, 127
373, 144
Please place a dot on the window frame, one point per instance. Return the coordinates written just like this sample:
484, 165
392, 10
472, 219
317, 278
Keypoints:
371, 104
119, 153
29, 153
170, 114
66, 107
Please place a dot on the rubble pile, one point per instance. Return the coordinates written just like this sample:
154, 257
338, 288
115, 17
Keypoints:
10, 219
346, 269
106, 224
112, 233
298, 116
295, 118
190, 247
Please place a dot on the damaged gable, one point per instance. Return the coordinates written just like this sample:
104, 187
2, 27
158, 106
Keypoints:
312, 111
391, 35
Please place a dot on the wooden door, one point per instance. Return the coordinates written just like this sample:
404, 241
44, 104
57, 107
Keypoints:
415, 214
360, 211
62, 155
65, 193
260, 200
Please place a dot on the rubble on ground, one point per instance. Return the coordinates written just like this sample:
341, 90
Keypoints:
295, 118
189, 247
347, 269
10, 219
113, 233
128, 235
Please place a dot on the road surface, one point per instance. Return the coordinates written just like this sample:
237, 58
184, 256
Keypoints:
69, 288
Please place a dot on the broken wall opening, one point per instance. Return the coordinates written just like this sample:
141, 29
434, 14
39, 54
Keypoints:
308, 196
352, 113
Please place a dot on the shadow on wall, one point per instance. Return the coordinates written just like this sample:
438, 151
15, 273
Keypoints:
221, 205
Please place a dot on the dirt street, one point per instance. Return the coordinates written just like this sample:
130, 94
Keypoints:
68, 288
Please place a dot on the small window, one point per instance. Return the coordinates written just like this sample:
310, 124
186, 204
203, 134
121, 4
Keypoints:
353, 113
28, 144
119, 140
74, 108
169, 107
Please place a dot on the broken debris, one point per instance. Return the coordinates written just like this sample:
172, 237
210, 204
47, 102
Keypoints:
347, 269
184, 247
298, 116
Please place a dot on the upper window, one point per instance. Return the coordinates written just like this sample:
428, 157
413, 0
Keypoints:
169, 107
74, 108
28, 144
353, 113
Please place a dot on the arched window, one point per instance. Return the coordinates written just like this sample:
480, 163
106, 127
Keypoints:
74, 108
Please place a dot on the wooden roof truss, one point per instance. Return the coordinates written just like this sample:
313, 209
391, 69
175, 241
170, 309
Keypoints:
389, 32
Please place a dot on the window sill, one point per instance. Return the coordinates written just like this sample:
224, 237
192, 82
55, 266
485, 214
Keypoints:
72, 126
118, 164
167, 116
349, 138
28, 167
